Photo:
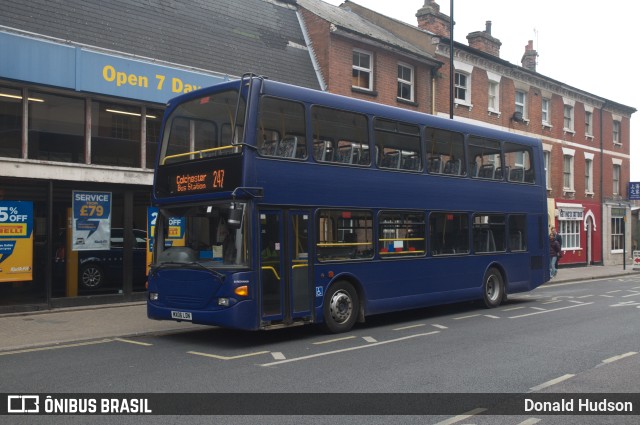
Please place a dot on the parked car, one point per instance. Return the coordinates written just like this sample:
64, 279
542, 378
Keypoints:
100, 270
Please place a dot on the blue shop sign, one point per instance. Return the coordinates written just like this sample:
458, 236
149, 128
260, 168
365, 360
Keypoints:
82, 69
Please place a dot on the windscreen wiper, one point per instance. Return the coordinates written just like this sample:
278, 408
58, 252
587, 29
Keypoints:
176, 264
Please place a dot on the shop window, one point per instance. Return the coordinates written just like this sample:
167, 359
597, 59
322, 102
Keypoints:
570, 232
115, 134
10, 122
56, 128
153, 121
617, 229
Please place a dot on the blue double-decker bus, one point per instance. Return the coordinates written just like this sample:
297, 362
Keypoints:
300, 206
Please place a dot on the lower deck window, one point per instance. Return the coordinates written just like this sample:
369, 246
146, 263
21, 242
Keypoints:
401, 234
344, 235
449, 233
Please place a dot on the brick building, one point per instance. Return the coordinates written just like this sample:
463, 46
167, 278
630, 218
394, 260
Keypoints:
586, 138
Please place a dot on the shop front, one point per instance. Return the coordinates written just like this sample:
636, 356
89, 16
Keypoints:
50, 272
86, 130
578, 223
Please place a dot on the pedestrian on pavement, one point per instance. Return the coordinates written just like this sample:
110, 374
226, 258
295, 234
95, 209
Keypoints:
554, 252
557, 236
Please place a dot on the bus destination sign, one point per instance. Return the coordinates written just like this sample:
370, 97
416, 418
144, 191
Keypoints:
189, 178
198, 182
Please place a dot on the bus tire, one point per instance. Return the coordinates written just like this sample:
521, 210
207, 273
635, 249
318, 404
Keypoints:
341, 307
493, 288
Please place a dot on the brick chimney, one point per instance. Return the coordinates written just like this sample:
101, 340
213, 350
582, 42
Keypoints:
484, 41
430, 19
530, 57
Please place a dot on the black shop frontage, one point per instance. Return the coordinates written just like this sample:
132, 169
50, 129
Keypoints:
58, 275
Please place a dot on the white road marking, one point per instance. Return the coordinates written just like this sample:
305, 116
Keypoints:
146, 344
278, 356
491, 317
530, 421
549, 311
621, 356
462, 417
369, 339
333, 340
552, 382
375, 344
466, 317
409, 327
439, 326
215, 356
55, 347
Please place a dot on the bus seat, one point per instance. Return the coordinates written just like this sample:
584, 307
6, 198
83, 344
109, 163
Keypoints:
517, 175
501, 172
269, 147
287, 147
410, 163
486, 171
433, 164
453, 166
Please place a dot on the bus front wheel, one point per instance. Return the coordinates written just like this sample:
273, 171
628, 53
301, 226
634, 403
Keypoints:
341, 307
493, 288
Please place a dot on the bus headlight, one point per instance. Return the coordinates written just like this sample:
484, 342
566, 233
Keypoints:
223, 302
153, 296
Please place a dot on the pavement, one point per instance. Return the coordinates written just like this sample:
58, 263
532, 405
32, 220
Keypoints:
33, 330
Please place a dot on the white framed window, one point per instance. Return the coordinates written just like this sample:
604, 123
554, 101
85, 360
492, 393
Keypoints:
567, 169
588, 123
405, 82
616, 132
521, 103
617, 234
493, 93
494, 96
462, 88
588, 175
616, 179
546, 112
547, 168
568, 118
362, 74
570, 232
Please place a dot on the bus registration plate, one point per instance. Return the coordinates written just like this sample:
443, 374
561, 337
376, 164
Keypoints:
181, 315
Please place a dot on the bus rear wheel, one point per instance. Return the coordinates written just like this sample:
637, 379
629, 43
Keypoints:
341, 307
493, 288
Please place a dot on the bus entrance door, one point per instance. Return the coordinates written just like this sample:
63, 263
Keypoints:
284, 266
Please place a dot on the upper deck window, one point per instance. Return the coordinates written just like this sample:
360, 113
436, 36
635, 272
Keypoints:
281, 129
397, 145
202, 128
445, 152
340, 136
485, 159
